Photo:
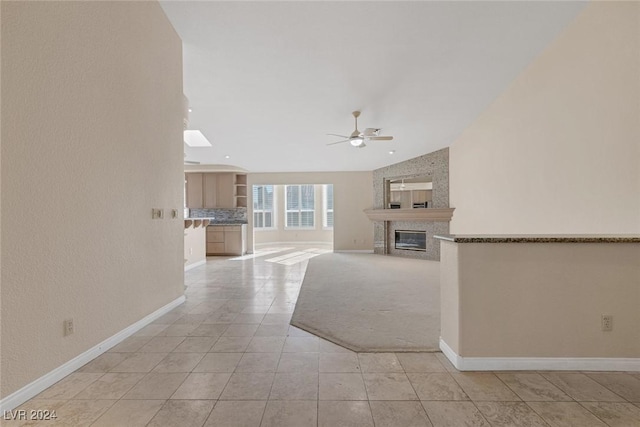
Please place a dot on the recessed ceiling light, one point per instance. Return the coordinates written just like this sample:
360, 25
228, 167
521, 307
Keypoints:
227, 157
190, 110
195, 138
392, 152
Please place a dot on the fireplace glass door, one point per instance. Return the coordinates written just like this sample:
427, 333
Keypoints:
411, 240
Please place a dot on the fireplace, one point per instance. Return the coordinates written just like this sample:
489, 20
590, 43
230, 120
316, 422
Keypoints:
411, 240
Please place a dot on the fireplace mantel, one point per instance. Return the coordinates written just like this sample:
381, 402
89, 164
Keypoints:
426, 214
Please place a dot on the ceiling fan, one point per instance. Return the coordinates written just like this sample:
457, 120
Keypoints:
358, 138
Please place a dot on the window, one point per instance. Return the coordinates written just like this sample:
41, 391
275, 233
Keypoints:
263, 206
300, 206
327, 212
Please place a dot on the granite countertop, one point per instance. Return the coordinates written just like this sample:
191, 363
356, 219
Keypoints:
213, 221
540, 238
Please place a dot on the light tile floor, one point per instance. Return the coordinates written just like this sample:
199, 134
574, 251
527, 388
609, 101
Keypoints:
228, 357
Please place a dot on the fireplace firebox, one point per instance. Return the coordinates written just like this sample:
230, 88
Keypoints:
411, 240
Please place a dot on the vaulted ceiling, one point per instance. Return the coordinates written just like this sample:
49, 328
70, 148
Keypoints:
268, 80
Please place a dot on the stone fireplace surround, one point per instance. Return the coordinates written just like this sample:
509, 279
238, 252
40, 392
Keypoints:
434, 164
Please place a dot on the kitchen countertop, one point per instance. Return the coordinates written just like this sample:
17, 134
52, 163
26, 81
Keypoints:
540, 238
226, 222
213, 221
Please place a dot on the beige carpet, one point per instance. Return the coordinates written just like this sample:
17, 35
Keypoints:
368, 302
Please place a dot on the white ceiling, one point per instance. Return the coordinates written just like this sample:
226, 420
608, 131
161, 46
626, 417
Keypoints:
268, 80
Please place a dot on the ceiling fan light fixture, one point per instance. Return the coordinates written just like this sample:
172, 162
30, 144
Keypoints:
356, 142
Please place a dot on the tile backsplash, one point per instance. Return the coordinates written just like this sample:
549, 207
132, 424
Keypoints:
220, 214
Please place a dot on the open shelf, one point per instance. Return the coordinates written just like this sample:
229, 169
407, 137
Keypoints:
241, 191
241, 201
240, 187
428, 214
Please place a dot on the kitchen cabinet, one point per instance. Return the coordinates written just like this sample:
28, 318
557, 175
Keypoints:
402, 197
215, 240
408, 198
421, 196
194, 190
226, 239
225, 190
216, 190
210, 190
233, 242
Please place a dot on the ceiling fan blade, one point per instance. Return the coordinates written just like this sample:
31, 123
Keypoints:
370, 132
380, 138
337, 142
339, 136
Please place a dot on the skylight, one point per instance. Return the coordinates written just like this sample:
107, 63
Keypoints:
195, 138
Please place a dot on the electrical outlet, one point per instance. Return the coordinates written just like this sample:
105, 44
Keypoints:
607, 322
190, 251
68, 327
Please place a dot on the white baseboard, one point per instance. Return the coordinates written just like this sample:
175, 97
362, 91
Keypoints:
195, 264
539, 363
259, 245
354, 251
32, 389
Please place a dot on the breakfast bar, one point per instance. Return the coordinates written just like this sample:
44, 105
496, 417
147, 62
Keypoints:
523, 302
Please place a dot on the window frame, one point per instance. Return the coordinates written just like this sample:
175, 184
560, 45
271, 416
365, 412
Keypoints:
299, 210
325, 207
274, 225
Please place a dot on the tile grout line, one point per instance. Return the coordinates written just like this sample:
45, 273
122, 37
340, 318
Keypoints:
603, 385
416, 391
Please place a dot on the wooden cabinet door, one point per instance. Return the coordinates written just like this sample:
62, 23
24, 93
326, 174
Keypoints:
419, 196
194, 190
215, 236
210, 190
405, 199
226, 190
215, 248
233, 242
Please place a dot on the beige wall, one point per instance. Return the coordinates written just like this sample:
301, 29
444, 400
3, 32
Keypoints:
540, 299
91, 142
559, 150
449, 295
195, 246
279, 233
352, 194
